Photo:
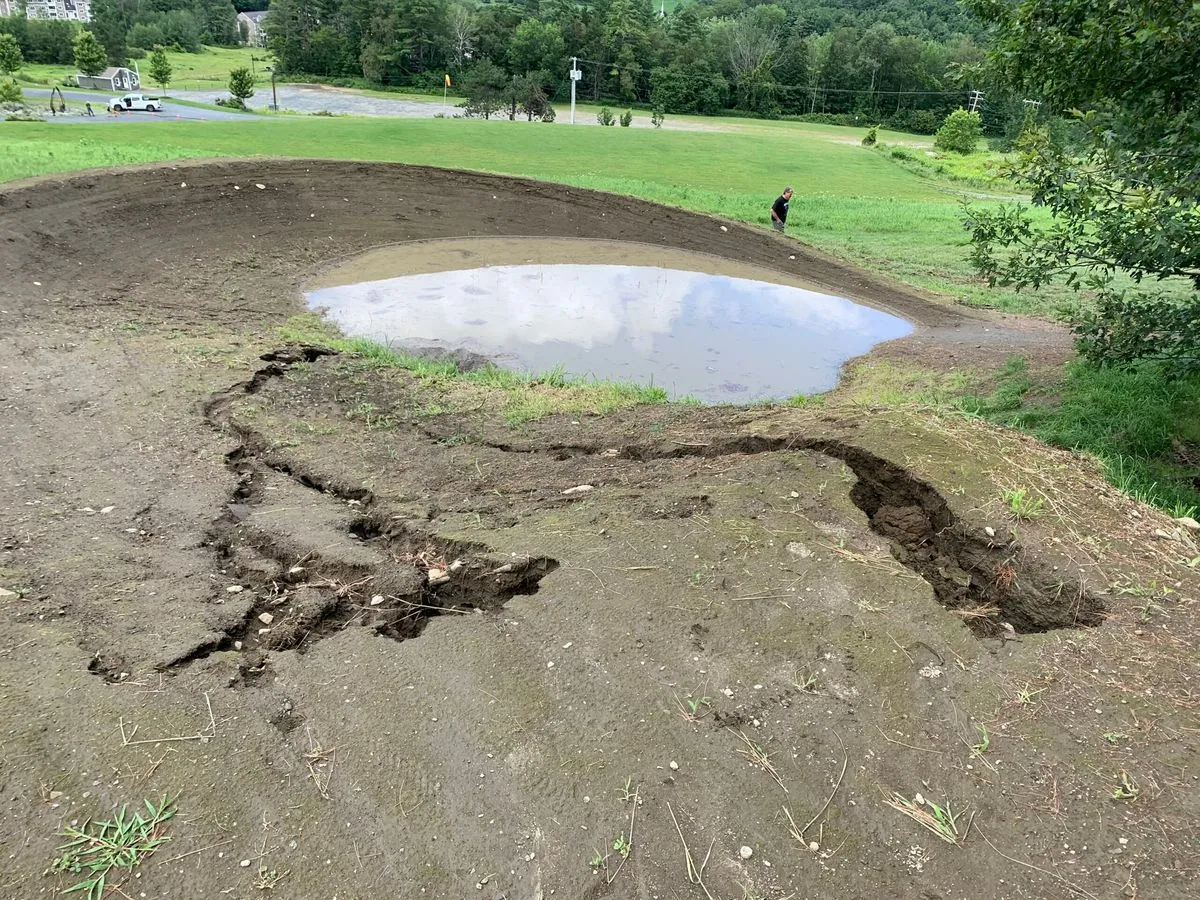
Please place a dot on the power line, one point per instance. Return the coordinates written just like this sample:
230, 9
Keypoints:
802, 87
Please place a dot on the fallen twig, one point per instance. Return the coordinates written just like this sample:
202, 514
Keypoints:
695, 876
632, 815
1068, 885
208, 734
799, 835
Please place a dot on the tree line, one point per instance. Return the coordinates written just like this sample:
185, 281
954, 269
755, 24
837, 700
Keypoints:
129, 29
907, 62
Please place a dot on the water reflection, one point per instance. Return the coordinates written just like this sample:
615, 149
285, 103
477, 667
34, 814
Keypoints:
717, 338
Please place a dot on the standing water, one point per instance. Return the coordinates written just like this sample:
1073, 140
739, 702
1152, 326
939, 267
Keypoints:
713, 337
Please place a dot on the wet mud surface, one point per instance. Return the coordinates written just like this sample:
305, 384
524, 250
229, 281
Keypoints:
380, 649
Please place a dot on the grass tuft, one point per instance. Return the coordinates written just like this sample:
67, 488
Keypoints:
521, 397
120, 843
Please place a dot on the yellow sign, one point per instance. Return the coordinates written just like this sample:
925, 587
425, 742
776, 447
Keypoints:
447, 81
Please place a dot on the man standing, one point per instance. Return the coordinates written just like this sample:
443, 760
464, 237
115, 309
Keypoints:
779, 210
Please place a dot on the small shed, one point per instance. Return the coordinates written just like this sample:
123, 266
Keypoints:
114, 78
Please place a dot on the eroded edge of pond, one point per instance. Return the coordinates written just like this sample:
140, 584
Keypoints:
453, 254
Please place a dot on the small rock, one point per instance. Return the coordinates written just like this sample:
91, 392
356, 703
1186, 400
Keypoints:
107, 510
727, 692
295, 570
377, 599
261, 187
1188, 522
796, 548
54, 795
746, 852
236, 188
674, 766
266, 618
245, 864
567, 645
579, 489
990, 531
795, 495
793, 256
263, 631
235, 589
814, 846
7, 595
1165, 535
550, 665
436, 574
723, 228
183, 184
237, 645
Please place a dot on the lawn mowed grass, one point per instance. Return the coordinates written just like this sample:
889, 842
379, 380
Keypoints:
853, 202
891, 215
189, 70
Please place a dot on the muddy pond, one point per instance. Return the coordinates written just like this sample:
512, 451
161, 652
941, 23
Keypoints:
696, 325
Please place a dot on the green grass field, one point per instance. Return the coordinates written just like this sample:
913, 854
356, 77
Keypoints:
851, 201
900, 215
198, 71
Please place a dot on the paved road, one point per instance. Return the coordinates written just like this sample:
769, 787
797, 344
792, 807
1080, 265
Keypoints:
77, 99
313, 98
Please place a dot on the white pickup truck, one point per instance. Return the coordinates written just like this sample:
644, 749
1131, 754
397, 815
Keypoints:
133, 102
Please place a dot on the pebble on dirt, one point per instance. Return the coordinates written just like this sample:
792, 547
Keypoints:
579, 489
746, 852
266, 618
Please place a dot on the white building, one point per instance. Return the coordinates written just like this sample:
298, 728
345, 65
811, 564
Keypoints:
254, 32
64, 10
8, 8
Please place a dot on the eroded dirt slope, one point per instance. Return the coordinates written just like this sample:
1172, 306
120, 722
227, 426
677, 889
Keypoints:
381, 651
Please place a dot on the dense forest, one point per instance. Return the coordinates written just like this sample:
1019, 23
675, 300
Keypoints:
906, 61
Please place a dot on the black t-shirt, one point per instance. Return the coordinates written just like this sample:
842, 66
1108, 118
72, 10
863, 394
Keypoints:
780, 208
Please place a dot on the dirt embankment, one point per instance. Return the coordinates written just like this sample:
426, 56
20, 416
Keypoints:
378, 650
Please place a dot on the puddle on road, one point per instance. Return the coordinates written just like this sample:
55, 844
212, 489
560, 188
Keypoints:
693, 324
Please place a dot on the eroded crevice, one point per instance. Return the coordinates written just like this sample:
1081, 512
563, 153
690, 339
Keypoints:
991, 583
314, 571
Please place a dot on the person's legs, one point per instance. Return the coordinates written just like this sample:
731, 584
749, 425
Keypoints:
777, 225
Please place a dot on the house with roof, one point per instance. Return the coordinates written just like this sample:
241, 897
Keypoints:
252, 27
115, 78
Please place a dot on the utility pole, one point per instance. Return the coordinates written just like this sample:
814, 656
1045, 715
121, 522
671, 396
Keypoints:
976, 99
575, 76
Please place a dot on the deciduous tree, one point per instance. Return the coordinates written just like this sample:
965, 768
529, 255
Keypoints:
1126, 203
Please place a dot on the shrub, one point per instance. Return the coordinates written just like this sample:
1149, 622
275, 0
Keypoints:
605, 116
627, 118
657, 117
870, 138
960, 132
10, 92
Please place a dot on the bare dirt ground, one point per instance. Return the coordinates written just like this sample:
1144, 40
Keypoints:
376, 649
